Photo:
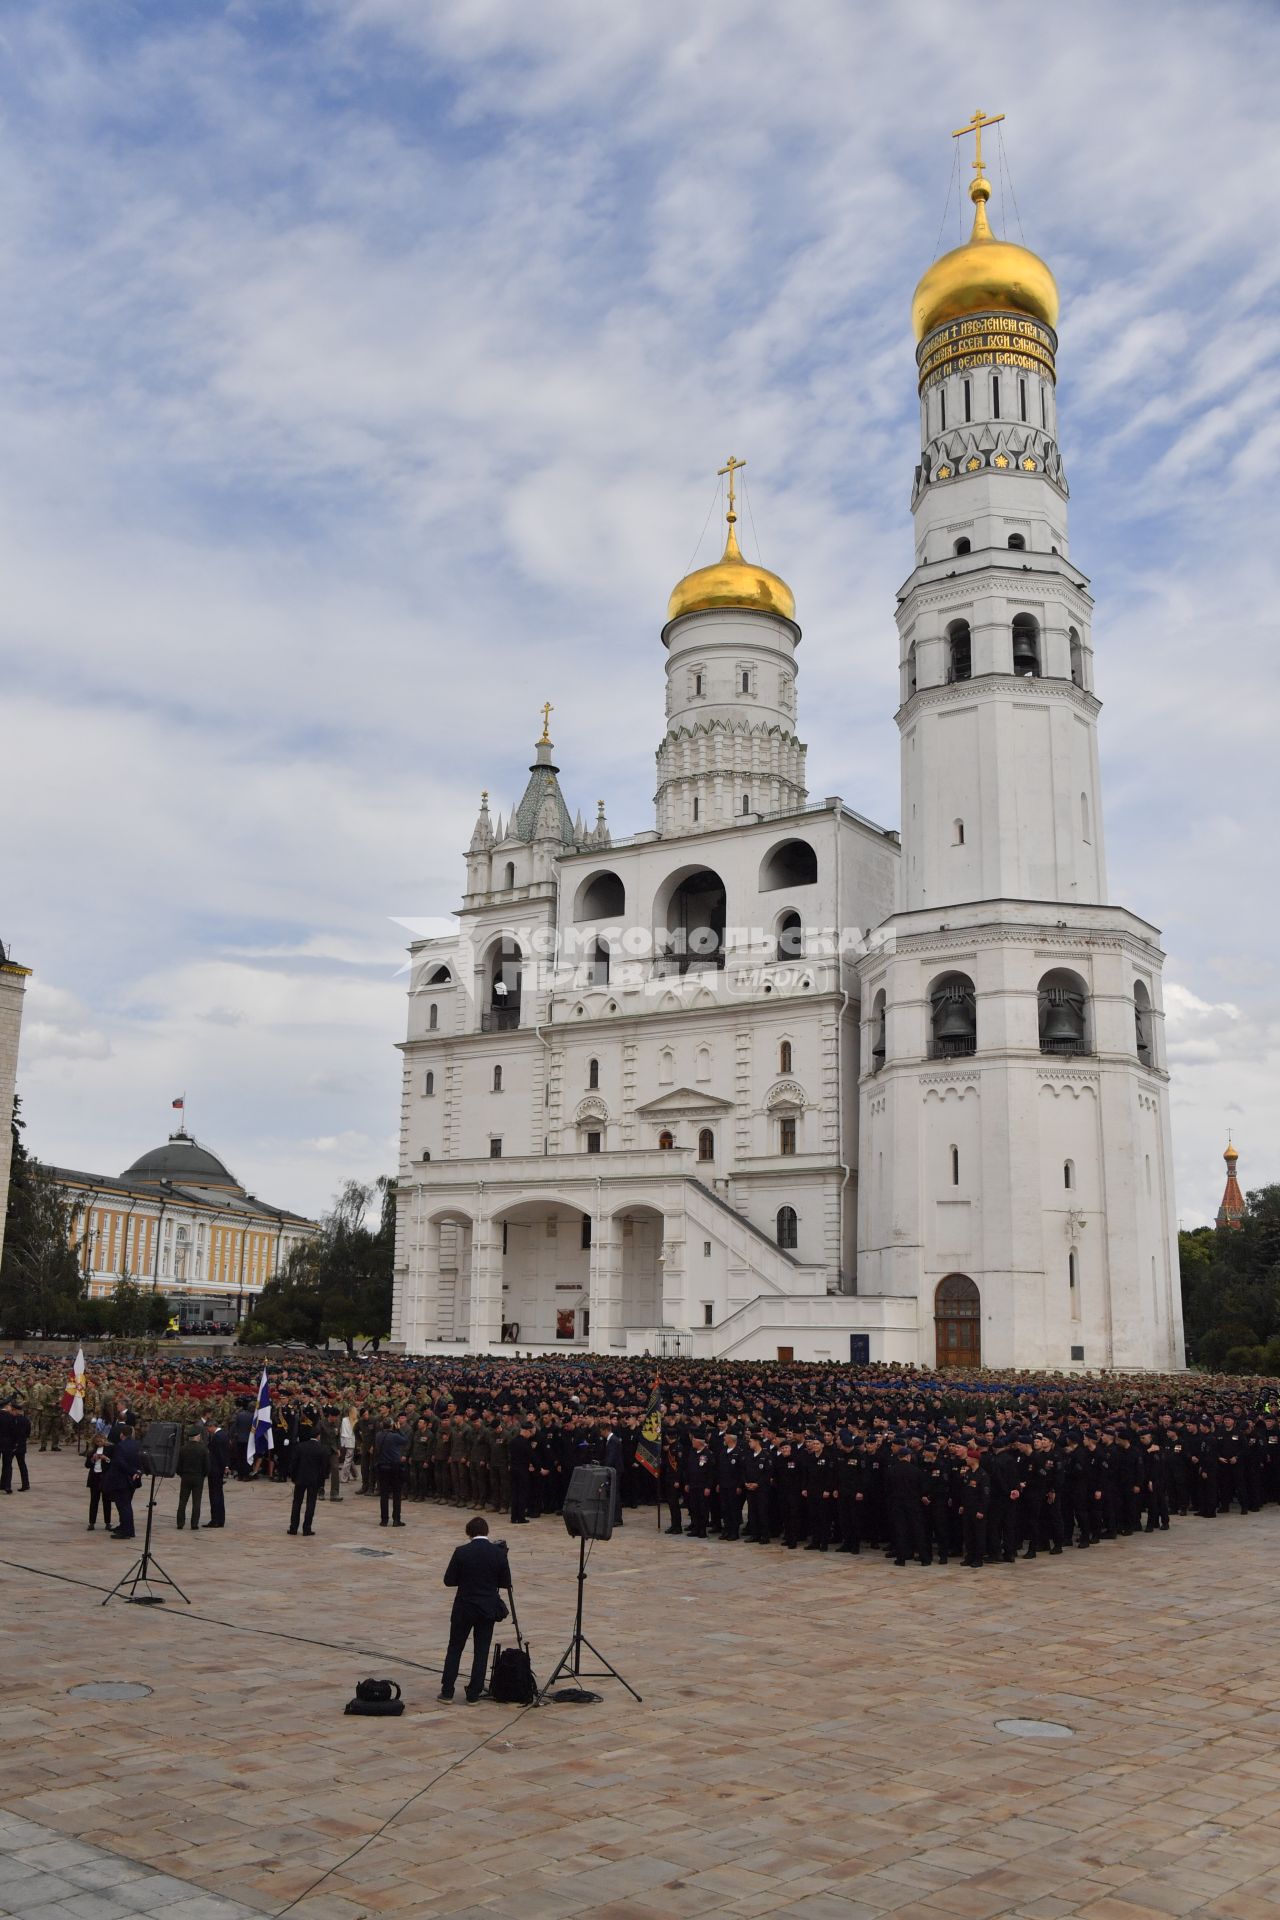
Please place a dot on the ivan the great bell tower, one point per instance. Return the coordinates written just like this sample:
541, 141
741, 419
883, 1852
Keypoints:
1015, 1165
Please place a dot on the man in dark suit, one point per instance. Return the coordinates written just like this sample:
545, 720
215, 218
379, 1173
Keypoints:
15, 1431
480, 1571
123, 1477
219, 1467
310, 1471
193, 1471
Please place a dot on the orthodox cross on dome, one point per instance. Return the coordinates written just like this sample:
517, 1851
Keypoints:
975, 126
731, 467
547, 711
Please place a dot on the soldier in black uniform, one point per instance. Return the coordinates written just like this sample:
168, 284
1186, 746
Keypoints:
729, 1479
905, 1495
974, 1492
521, 1456
756, 1476
818, 1478
848, 1493
936, 1499
699, 1479
788, 1484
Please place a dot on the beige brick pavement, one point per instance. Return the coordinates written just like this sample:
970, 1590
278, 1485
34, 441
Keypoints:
817, 1738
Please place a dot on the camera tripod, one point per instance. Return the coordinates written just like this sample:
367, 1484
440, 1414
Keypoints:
141, 1573
570, 1661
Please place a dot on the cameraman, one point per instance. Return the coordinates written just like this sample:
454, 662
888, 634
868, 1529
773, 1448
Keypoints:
479, 1571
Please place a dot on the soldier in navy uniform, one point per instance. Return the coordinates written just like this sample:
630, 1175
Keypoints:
699, 1480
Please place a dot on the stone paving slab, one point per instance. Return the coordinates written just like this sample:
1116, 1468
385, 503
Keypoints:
817, 1737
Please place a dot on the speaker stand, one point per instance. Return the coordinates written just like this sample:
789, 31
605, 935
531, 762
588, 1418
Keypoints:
140, 1573
570, 1661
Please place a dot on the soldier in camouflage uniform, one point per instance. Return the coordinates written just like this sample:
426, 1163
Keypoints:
500, 1483
49, 1421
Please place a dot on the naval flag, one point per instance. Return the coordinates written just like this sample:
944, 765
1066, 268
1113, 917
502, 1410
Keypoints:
261, 1438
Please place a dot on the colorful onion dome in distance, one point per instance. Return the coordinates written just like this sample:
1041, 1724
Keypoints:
985, 275
1232, 1211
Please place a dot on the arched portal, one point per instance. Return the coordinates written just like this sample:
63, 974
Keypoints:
957, 1322
545, 1254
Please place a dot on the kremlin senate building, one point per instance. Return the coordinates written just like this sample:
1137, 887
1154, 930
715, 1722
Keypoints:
765, 1079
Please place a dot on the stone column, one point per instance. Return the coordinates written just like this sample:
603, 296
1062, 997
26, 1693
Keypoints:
605, 1284
486, 1285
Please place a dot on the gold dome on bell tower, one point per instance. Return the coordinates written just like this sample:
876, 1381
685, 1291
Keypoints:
985, 275
732, 580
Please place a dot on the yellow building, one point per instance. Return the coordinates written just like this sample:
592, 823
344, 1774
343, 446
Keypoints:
179, 1220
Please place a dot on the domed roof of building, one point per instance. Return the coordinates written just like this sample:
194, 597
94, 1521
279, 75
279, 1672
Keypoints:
732, 582
1230, 1153
985, 275
183, 1161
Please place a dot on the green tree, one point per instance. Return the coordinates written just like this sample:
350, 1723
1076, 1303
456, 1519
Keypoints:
1231, 1287
42, 1289
337, 1286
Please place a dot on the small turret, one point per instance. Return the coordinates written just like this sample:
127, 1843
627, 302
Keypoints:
1232, 1211
482, 832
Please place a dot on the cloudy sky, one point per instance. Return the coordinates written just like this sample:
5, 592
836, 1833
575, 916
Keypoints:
365, 367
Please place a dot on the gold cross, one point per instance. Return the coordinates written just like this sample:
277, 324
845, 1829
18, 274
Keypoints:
547, 711
975, 126
731, 466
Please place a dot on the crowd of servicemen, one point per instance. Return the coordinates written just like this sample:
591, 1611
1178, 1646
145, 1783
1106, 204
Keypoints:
828, 1459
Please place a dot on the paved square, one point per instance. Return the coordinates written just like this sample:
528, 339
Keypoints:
817, 1738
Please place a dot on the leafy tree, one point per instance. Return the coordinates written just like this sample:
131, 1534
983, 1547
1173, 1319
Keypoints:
133, 1311
337, 1286
1231, 1288
42, 1289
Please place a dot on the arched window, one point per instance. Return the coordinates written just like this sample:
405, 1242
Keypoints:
593, 1074
440, 978
786, 1229
1063, 1000
784, 1057
497, 1079
666, 1141
746, 803
954, 1008
706, 1144
792, 863
433, 1017
666, 1067
1143, 1024
429, 1086
695, 917
603, 897
746, 681
955, 1166
1018, 542
1068, 1175
1077, 658
959, 651
509, 878
599, 964
963, 546
790, 937
878, 1022
702, 1064
426, 1156
505, 979
957, 833
911, 669
697, 686
1085, 834
1026, 646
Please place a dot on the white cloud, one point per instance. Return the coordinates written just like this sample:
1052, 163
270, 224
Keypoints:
363, 399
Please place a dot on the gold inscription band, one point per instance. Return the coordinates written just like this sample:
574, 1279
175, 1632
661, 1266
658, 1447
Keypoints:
989, 340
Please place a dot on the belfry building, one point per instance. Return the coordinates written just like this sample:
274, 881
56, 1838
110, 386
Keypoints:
768, 1079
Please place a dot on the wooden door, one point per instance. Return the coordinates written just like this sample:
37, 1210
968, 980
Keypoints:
786, 1355
957, 1322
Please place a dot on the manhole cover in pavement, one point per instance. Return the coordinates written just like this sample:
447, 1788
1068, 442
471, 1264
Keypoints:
373, 1553
109, 1690
1036, 1729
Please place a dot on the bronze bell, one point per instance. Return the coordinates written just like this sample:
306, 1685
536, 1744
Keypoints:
1063, 1018
953, 1013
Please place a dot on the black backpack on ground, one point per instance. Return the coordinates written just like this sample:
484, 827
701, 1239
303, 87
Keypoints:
511, 1680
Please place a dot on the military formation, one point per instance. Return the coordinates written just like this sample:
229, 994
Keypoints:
928, 1470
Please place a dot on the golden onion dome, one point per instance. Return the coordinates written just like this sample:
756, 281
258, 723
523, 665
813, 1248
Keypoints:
985, 275
732, 582
1231, 1154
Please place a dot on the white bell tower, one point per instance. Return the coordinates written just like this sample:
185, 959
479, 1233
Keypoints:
1016, 1166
